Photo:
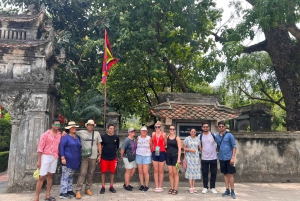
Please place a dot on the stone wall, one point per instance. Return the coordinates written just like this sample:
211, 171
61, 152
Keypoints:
261, 157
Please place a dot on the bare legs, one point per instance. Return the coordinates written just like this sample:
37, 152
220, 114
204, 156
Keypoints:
112, 176
174, 177
229, 179
128, 175
158, 173
144, 174
39, 185
192, 183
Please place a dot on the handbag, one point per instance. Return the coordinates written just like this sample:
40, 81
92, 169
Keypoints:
184, 164
131, 157
86, 153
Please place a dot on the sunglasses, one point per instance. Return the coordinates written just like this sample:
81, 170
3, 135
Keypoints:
221, 126
56, 124
156, 126
205, 127
172, 129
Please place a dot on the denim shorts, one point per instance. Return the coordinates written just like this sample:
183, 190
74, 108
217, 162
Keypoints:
142, 160
160, 158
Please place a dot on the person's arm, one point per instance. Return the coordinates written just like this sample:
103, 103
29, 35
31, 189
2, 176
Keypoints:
179, 149
151, 144
122, 153
165, 139
38, 163
40, 149
62, 150
233, 156
118, 143
188, 149
99, 151
124, 146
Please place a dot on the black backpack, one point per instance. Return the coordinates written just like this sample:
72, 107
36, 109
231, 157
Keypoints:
201, 134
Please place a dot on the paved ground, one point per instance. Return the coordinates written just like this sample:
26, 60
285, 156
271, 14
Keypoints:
244, 191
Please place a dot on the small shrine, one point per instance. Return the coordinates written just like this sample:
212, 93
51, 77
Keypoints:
255, 117
190, 110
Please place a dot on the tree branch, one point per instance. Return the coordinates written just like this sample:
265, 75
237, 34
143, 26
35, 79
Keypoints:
294, 30
271, 100
262, 46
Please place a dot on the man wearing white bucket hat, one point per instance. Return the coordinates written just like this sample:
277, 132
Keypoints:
90, 139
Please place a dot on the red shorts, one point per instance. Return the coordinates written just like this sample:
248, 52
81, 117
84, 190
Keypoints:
110, 165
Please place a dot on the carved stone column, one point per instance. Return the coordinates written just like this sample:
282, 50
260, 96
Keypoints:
113, 118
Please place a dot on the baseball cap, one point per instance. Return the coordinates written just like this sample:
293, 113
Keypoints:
131, 129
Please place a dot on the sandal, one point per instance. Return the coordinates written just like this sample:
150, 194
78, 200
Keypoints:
191, 190
156, 190
50, 199
174, 192
170, 191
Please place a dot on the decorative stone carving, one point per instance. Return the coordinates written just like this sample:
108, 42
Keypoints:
27, 90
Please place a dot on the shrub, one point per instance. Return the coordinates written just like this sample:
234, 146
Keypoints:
4, 160
5, 134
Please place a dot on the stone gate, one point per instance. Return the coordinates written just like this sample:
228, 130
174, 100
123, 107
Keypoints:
27, 89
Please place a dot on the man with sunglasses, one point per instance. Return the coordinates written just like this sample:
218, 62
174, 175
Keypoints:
208, 158
47, 151
227, 151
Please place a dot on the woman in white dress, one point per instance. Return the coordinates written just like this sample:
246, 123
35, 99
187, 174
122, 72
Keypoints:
191, 149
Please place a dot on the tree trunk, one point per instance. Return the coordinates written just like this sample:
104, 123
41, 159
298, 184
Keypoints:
172, 69
286, 63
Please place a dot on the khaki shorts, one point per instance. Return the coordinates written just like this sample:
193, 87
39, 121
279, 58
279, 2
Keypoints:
129, 165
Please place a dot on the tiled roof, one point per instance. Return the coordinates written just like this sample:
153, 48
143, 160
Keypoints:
193, 111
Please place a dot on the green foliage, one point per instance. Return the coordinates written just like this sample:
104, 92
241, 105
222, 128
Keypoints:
82, 108
252, 80
5, 134
4, 160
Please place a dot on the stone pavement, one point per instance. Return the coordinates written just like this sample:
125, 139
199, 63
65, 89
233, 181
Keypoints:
244, 191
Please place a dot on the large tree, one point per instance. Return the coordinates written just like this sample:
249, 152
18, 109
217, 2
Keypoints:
277, 21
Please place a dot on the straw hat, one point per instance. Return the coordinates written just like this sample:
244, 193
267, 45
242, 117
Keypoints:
71, 124
91, 121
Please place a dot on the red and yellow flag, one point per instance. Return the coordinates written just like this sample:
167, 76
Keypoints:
108, 59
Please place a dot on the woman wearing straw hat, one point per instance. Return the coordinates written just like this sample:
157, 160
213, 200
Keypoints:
70, 153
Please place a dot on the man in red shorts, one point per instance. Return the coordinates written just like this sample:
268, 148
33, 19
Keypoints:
110, 145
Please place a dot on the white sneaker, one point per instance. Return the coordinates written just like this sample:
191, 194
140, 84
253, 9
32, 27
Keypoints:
213, 190
204, 190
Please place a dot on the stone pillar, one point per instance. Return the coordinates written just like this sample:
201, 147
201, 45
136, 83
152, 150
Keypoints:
113, 118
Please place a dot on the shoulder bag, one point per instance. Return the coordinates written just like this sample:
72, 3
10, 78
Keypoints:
86, 153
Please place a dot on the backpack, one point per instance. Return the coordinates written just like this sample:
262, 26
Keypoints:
200, 137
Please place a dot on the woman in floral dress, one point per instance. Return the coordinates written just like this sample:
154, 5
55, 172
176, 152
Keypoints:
191, 149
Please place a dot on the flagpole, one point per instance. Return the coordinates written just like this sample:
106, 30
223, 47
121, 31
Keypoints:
104, 113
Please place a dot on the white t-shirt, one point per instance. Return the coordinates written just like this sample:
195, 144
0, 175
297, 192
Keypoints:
208, 147
143, 146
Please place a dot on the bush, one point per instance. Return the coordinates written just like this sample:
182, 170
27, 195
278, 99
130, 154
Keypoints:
4, 160
5, 134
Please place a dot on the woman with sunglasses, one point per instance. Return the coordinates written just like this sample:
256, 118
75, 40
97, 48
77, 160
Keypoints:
191, 149
159, 139
173, 159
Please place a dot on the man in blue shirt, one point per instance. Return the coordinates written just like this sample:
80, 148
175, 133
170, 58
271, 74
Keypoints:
227, 151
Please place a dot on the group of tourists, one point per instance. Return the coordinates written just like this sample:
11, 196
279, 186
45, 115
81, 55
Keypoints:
84, 148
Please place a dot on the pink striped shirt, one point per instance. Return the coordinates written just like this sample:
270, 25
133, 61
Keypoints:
49, 144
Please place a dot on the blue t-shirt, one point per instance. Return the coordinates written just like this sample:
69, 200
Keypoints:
70, 148
226, 147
